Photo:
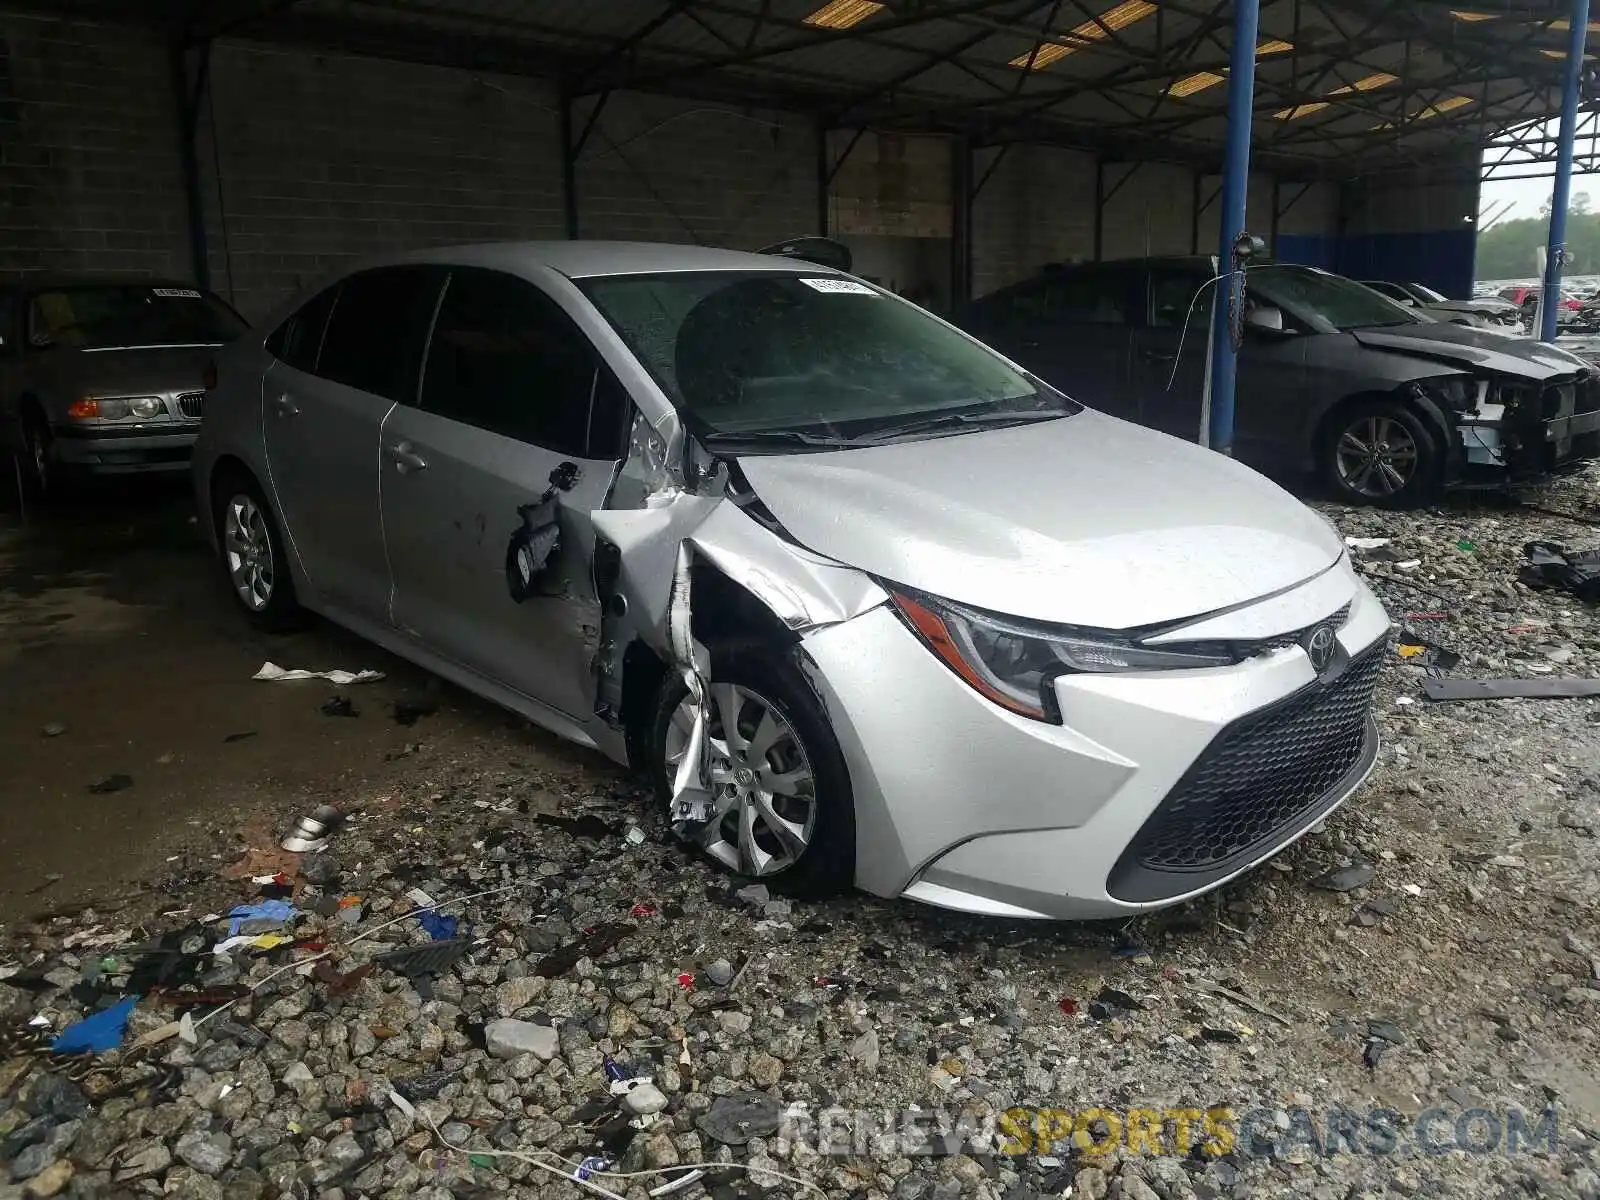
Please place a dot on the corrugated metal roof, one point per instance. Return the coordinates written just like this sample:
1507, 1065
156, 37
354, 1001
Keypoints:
1145, 71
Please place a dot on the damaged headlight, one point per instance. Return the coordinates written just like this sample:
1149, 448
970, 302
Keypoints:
1456, 392
1012, 662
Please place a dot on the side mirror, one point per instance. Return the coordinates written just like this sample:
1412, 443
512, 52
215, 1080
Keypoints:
1267, 320
1408, 302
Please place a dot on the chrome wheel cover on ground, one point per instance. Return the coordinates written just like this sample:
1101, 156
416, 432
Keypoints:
763, 792
1376, 456
247, 549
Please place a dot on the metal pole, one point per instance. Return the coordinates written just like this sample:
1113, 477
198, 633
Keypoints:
189, 93
1227, 327
569, 170
1578, 35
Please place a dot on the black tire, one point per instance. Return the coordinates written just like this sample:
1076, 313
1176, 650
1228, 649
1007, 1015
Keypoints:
1424, 479
281, 611
35, 456
826, 867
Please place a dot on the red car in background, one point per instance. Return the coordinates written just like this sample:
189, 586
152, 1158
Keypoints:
1526, 297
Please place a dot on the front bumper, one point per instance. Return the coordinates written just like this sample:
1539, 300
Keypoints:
964, 805
98, 450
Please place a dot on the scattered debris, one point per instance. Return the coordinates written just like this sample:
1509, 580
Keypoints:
1346, 879
339, 706
1552, 565
273, 673
111, 783
53, 729
1493, 689
734, 1120
410, 710
1366, 543
310, 833
243, 736
98, 1032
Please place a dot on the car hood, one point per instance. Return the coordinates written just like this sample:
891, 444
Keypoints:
1086, 520
153, 370
1475, 349
1468, 306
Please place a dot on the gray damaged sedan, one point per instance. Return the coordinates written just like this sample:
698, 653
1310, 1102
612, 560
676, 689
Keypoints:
1386, 406
105, 377
867, 603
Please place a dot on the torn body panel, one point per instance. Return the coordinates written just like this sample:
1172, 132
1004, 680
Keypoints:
656, 549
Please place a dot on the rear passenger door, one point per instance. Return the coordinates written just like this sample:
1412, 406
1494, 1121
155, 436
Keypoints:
343, 361
513, 441
1071, 328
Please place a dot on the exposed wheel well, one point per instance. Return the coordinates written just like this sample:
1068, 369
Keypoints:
721, 611
225, 470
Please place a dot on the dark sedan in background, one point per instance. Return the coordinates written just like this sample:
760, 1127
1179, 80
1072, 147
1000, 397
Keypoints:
103, 377
1387, 406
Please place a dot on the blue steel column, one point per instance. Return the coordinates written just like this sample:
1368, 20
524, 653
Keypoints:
1227, 325
1576, 39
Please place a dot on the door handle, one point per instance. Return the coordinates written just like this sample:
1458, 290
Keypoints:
285, 407
405, 458
1161, 356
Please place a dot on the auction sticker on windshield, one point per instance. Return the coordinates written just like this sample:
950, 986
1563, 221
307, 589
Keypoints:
184, 293
845, 287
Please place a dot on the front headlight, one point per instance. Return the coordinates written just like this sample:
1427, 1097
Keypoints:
1013, 662
1455, 392
146, 407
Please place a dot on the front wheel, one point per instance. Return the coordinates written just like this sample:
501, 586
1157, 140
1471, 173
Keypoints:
1381, 453
253, 558
780, 809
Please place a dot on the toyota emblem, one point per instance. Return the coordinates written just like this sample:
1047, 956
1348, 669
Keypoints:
1320, 645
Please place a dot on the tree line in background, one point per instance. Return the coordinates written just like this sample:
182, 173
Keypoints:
1510, 250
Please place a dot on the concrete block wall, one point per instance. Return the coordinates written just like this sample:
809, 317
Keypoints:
313, 162
1037, 207
660, 169
1153, 212
89, 171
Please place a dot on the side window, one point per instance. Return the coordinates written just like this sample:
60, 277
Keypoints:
1025, 302
1091, 297
1171, 294
377, 330
297, 341
505, 358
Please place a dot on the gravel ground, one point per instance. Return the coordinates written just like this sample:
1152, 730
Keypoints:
1431, 951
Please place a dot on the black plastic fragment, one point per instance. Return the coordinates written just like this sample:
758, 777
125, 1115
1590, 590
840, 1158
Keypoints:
420, 962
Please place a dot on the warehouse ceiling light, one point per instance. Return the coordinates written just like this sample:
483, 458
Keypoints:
1367, 83
1084, 35
1448, 104
1201, 80
842, 14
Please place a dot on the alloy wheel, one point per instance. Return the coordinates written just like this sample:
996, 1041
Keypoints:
1377, 456
247, 547
39, 456
763, 791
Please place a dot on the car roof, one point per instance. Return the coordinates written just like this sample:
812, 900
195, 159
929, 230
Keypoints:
587, 260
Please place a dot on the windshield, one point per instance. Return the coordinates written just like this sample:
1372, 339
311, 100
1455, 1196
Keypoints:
1314, 297
88, 318
822, 360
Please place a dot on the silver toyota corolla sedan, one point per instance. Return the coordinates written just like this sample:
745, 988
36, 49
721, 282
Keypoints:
869, 603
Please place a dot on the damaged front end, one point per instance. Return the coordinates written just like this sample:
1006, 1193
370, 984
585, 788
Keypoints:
687, 553
1510, 430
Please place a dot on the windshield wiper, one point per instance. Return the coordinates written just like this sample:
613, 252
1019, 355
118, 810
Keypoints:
772, 437
959, 420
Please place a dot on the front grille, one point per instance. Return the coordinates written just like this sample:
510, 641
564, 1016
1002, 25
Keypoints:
192, 404
1259, 777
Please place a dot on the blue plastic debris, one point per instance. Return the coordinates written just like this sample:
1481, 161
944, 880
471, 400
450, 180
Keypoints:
98, 1032
260, 917
439, 928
